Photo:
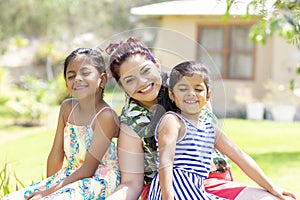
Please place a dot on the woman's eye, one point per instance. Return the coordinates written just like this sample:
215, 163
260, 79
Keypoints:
146, 70
129, 81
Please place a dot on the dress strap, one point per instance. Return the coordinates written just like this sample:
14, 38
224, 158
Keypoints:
98, 114
72, 111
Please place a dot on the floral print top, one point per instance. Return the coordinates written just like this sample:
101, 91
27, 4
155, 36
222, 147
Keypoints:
138, 118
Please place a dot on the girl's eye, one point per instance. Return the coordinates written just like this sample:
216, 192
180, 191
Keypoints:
182, 89
86, 73
70, 77
199, 89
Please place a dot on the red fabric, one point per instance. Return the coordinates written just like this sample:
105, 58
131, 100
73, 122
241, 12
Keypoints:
227, 175
222, 185
145, 192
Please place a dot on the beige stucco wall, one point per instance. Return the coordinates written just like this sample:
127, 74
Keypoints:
178, 42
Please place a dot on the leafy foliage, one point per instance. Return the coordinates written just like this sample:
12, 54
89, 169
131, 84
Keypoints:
279, 15
63, 20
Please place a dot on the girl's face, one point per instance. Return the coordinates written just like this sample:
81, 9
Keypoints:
190, 94
140, 79
82, 79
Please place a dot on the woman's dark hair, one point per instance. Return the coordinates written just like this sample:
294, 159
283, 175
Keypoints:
119, 52
164, 104
92, 55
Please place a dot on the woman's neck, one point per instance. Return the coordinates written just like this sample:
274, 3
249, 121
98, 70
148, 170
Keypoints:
151, 105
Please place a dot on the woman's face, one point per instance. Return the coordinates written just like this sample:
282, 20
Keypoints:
140, 79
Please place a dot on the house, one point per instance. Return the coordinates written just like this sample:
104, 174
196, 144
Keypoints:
195, 30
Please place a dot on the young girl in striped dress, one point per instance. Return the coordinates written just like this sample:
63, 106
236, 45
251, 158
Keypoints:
185, 143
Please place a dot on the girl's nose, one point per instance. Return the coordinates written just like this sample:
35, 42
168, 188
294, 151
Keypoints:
78, 77
191, 92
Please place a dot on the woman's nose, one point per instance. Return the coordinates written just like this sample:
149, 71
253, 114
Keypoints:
142, 79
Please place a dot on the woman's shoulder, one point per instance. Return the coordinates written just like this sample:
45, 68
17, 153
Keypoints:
133, 112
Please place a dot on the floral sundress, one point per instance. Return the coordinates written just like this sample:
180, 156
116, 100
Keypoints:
77, 140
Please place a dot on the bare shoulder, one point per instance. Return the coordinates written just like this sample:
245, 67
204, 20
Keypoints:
66, 107
69, 103
108, 118
169, 122
170, 119
108, 114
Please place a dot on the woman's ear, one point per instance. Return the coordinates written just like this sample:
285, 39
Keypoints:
208, 95
157, 64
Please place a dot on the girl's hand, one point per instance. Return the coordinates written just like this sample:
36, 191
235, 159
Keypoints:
35, 196
283, 194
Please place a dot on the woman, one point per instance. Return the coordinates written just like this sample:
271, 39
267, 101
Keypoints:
138, 73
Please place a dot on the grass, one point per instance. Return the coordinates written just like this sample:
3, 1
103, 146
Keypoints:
273, 145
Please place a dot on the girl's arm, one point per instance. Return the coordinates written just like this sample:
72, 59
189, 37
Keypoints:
105, 129
56, 155
168, 132
247, 164
131, 160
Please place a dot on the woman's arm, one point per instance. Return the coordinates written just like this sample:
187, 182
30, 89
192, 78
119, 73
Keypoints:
131, 160
247, 164
168, 132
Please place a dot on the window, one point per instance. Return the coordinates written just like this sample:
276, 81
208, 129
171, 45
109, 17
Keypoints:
230, 49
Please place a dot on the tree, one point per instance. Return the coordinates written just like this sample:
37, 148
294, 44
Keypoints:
281, 16
274, 15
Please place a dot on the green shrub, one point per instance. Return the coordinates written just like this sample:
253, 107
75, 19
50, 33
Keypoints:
4, 85
26, 104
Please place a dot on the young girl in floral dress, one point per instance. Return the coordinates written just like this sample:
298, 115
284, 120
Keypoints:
83, 161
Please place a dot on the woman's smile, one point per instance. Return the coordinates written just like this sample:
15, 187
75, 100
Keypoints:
147, 89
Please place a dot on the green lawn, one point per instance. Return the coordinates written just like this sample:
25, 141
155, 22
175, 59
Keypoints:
275, 146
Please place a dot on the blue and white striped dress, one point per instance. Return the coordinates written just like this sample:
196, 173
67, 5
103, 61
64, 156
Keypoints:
191, 163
